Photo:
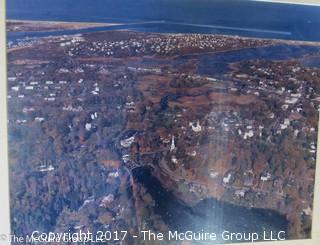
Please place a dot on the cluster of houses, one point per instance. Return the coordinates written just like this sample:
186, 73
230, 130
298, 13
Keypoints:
160, 44
293, 96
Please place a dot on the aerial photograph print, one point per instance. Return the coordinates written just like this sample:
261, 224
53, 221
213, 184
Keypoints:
162, 122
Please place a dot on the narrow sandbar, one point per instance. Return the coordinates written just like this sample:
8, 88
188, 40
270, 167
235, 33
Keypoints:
34, 25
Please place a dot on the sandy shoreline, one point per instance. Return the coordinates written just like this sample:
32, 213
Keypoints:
38, 25
304, 2
59, 22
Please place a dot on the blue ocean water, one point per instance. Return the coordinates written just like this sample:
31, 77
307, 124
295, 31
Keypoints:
235, 17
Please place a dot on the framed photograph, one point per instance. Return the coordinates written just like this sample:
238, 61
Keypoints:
160, 122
